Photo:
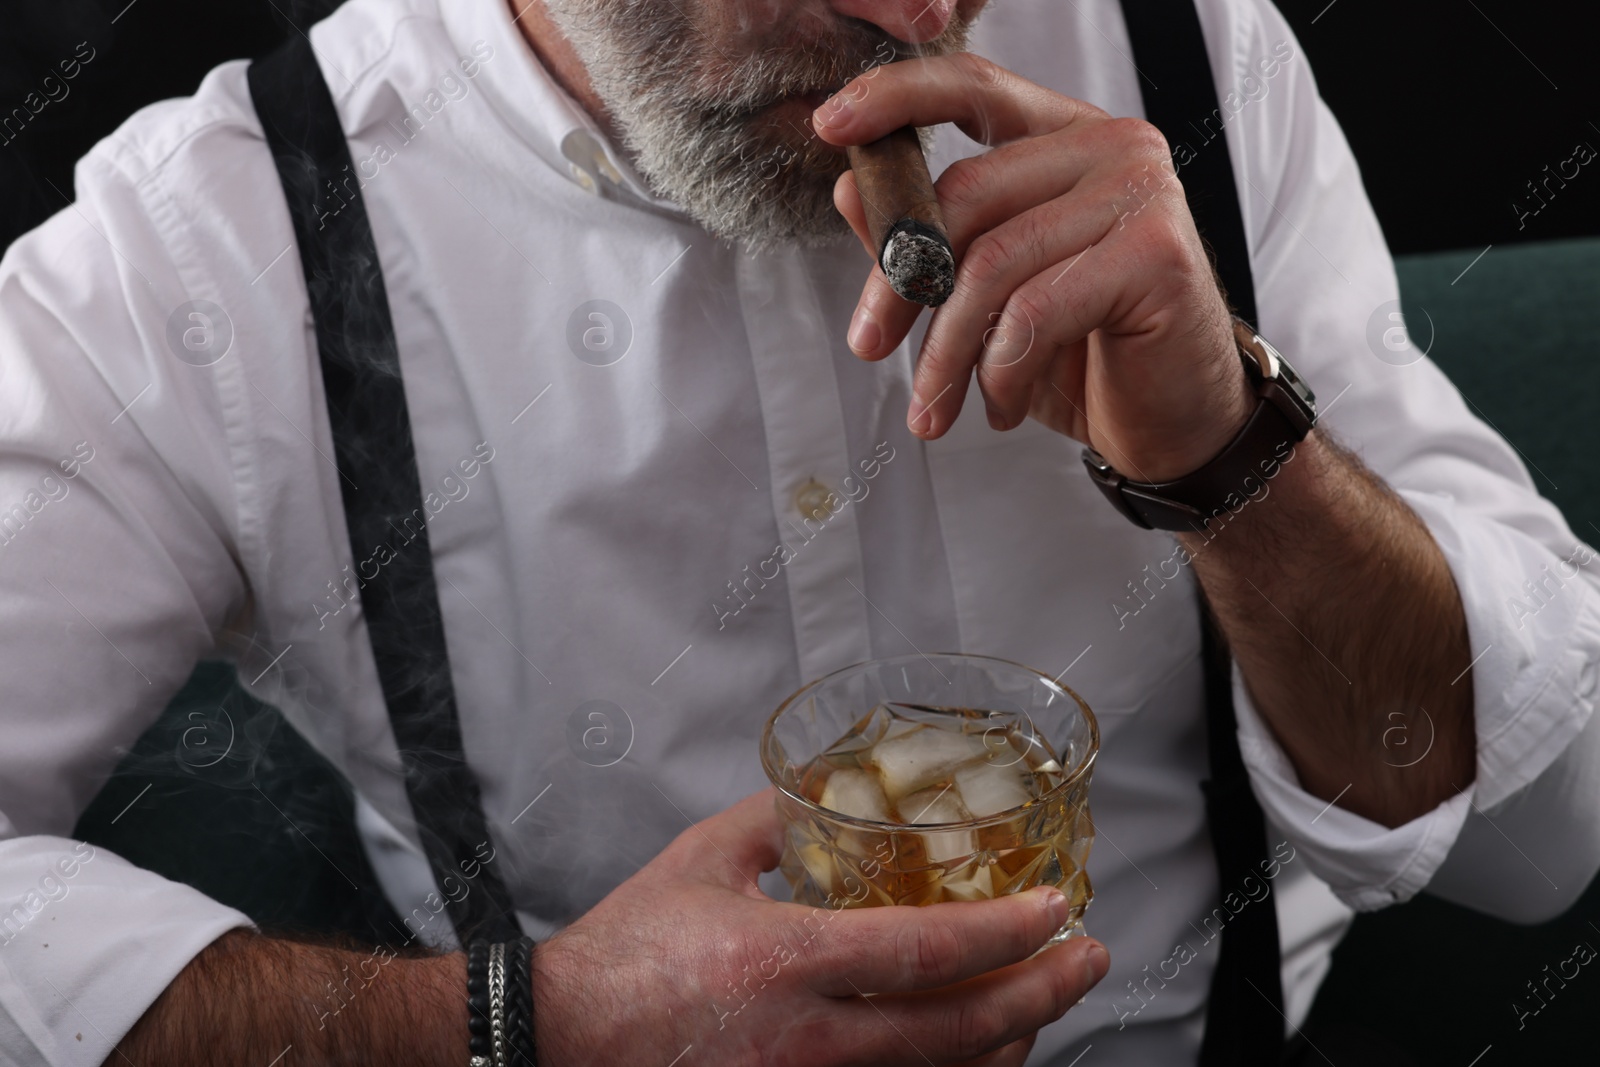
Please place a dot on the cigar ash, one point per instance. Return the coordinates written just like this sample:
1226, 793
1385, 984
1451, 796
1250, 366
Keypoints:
919, 264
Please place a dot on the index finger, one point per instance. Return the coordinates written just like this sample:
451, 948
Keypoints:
986, 102
904, 948
736, 845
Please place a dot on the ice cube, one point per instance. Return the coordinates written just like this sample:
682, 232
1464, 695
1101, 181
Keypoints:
975, 883
867, 730
988, 789
938, 805
856, 794
819, 864
919, 758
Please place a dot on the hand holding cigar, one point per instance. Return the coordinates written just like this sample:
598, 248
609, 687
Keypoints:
903, 217
1098, 319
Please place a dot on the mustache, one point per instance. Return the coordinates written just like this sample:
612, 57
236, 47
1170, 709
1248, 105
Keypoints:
764, 78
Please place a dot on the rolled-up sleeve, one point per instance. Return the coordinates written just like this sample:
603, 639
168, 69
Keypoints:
118, 566
105, 940
1525, 853
1530, 588
1367, 865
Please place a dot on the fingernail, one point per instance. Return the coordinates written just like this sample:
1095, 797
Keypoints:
835, 111
1096, 962
922, 419
1056, 903
864, 332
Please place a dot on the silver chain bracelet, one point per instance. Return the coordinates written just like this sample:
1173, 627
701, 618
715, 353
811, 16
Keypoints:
497, 1003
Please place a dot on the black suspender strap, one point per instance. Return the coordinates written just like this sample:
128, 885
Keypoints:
1244, 1016
378, 479
1180, 100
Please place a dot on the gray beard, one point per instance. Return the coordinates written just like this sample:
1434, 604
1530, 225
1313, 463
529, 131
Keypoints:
692, 121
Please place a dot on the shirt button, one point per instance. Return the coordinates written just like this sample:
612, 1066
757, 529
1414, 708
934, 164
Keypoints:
607, 171
582, 177
811, 500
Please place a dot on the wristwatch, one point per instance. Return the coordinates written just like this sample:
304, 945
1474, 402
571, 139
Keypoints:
1286, 409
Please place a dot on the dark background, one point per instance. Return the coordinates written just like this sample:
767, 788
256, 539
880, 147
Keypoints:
1452, 109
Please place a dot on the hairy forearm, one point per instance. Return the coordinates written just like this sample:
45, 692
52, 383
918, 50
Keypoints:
1345, 621
247, 997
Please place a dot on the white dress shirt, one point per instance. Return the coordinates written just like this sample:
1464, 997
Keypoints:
626, 470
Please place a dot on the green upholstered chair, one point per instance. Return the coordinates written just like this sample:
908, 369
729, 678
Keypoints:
1519, 334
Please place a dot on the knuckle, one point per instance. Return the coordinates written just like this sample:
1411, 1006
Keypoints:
1031, 235
1024, 311
1146, 182
1138, 135
937, 362
1024, 239
1171, 247
983, 73
1005, 347
1016, 328
977, 1026
1157, 239
1169, 174
987, 257
963, 184
934, 950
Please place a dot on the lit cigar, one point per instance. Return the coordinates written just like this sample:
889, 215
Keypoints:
903, 217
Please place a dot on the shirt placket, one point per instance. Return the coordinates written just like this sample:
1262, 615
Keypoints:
803, 417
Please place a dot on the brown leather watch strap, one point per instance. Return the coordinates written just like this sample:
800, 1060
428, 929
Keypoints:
1236, 475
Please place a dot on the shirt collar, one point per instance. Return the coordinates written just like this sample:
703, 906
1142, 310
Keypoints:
542, 113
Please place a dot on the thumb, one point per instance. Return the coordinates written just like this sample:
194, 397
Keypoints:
735, 845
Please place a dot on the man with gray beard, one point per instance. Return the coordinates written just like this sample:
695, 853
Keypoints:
696, 116
625, 265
